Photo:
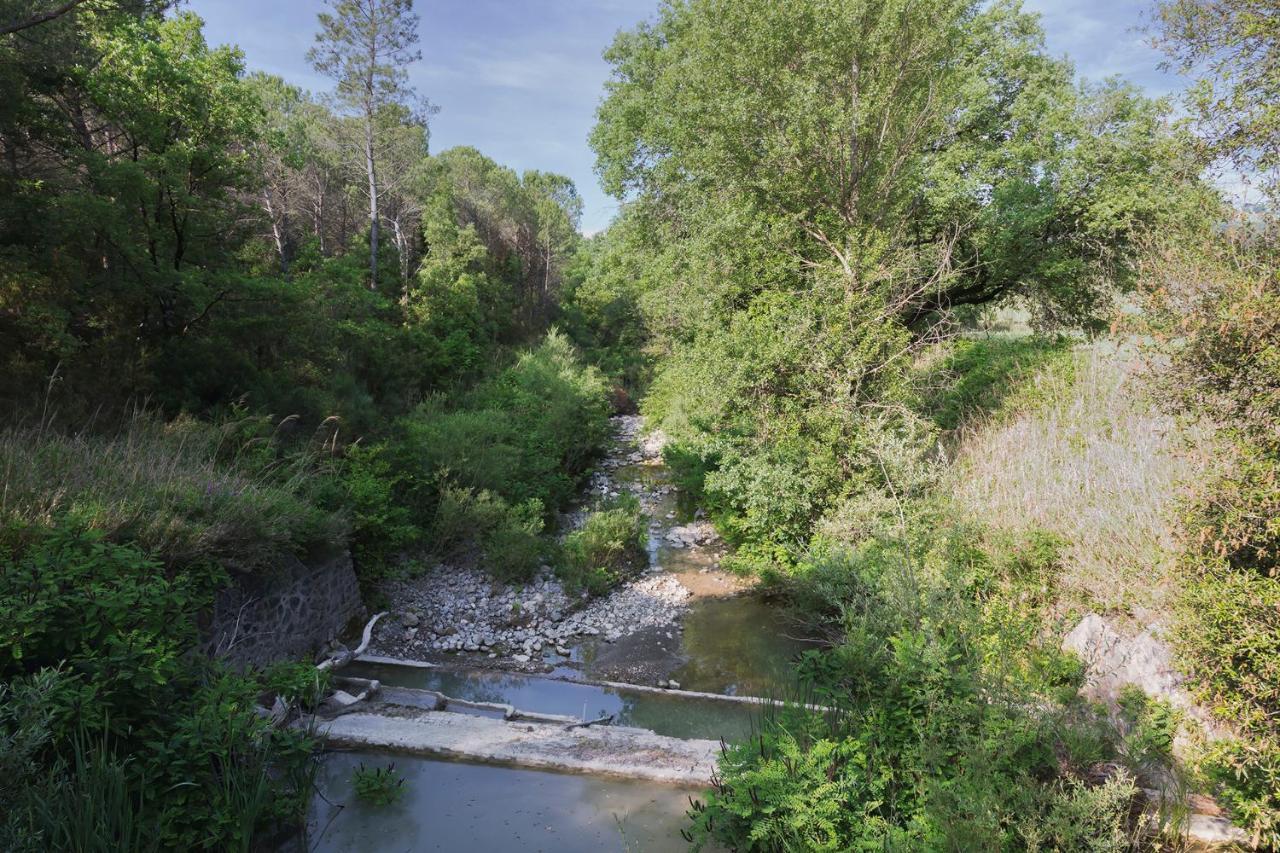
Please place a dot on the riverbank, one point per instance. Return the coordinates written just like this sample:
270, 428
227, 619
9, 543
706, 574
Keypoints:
634, 633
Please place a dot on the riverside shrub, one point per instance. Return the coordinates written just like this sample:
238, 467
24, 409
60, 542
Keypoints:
609, 546
485, 470
134, 728
1215, 305
955, 724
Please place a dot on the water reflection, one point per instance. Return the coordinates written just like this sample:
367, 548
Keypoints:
451, 806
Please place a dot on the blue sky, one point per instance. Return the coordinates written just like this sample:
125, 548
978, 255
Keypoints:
520, 79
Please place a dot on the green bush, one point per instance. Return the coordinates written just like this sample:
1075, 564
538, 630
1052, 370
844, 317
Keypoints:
956, 723
1217, 300
491, 466
609, 546
527, 433
137, 732
1152, 725
364, 484
507, 538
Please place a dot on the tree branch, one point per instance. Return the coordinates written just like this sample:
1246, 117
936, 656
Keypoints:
36, 20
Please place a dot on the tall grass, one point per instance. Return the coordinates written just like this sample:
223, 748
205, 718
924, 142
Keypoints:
184, 491
1083, 453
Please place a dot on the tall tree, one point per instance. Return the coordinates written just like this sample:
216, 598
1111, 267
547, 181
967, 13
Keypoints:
364, 46
1233, 48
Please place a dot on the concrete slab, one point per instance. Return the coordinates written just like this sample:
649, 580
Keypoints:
606, 751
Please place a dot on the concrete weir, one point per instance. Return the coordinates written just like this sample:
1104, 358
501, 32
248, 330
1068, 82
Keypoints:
607, 751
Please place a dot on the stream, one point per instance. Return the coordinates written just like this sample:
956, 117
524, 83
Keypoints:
725, 641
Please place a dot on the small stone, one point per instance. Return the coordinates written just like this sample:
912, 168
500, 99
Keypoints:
520, 658
673, 684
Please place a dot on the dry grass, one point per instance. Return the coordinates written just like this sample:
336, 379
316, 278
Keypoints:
170, 488
1087, 456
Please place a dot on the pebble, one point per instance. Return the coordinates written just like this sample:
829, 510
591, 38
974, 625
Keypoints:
457, 609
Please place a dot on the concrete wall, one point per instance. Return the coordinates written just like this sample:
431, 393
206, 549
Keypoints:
284, 615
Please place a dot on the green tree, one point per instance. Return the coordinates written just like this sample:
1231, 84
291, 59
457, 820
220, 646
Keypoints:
121, 207
934, 150
363, 45
1233, 47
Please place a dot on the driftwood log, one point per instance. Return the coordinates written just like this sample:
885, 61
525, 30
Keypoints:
346, 656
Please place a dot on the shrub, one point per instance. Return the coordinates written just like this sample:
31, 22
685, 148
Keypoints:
507, 538
138, 733
1215, 308
609, 546
954, 715
527, 433
787, 409
1152, 725
491, 466
378, 786
364, 484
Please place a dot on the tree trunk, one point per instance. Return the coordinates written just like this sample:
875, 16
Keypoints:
402, 246
277, 231
317, 213
373, 202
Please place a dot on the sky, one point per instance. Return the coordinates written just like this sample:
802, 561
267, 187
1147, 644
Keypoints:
520, 79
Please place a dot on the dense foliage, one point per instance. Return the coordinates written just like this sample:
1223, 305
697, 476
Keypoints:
1219, 301
343, 340
126, 739
955, 724
179, 236
804, 209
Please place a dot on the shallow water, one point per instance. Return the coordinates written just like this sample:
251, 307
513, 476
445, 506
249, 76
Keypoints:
729, 643
452, 806
737, 646
665, 715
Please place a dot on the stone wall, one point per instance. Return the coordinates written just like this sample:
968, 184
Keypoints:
286, 615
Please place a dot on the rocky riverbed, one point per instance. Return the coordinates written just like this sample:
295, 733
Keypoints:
456, 610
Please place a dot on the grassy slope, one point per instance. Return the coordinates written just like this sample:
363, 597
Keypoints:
1075, 447
185, 492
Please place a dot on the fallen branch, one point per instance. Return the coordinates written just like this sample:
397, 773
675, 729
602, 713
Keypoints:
345, 657
608, 718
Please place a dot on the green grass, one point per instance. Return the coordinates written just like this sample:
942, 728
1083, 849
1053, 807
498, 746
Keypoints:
184, 492
974, 378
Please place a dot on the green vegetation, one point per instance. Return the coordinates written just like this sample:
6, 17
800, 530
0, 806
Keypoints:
1222, 302
379, 786
609, 546
122, 733
184, 491
971, 379
813, 189
179, 236
958, 725
241, 323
